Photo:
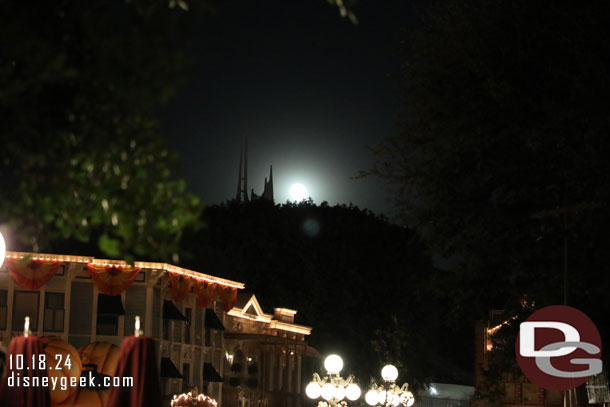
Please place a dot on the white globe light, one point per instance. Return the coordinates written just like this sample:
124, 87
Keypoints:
395, 400
353, 392
298, 192
381, 394
339, 392
2, 250
333, 364
328, 391
313, 390
410, 398
371, 397
389, 373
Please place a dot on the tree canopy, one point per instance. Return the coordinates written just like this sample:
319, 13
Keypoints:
84, 167
352, 276
501, 157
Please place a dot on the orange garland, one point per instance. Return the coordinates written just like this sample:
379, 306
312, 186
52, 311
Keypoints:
228, 295
113, 280
181, 285
32, 274
205, 292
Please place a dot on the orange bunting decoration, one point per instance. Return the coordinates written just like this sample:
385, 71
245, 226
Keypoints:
228, 295
205, 292
32, 274
112, 280
181, 285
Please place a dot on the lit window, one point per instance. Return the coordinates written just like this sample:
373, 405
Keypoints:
54, 312
25, 304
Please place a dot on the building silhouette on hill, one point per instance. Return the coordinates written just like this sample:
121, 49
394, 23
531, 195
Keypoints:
242, 181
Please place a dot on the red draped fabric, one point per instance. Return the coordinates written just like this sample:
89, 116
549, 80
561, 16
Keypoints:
18, 394
181, 285
205, 292
112, 280
137, 360
32, 274
228, 295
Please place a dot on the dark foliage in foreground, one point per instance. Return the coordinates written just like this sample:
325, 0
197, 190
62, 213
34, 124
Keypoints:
84, 166
501, 163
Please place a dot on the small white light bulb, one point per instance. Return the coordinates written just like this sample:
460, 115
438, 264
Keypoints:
2, 250
333, 364
371, 397
352, 392
313, 390
389, 373
339, 392
328, 391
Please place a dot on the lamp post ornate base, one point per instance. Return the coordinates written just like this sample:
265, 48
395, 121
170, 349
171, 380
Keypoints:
389, 394
332, 388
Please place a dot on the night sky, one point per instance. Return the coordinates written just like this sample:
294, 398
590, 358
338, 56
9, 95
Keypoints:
310, 91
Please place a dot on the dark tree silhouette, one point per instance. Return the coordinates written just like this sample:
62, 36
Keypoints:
501, 162
352, 276
84, 168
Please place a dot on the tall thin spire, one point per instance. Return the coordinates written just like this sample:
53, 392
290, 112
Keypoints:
268, 190
241, 159
242, 176
246, 170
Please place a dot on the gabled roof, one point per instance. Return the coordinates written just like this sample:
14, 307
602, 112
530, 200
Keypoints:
248, 307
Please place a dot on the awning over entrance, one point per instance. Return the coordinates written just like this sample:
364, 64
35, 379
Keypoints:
210, 374
110, 304
171, 312
169, 370
212, 320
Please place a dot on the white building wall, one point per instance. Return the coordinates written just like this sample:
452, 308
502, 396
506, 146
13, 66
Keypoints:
143, 298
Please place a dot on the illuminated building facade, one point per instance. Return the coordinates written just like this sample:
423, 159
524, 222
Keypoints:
64, 297
265, 355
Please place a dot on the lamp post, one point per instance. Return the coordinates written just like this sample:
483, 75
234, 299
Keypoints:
2, 250
389, 394
333, 389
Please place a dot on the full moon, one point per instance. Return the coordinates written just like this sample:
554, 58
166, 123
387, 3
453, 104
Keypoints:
298, 192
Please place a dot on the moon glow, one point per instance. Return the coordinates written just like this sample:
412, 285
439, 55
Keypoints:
298, 192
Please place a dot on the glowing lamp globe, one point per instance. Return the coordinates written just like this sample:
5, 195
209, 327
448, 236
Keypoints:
389, 373
371, 397
313, 390
352, 392
2, 250
339, 392
381, 395
395, 401
410, 398
333, 364
328, 391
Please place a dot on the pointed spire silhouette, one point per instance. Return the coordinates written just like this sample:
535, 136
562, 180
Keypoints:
268, 190
242, 176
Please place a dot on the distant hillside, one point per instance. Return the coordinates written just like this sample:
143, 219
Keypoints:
353, 276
